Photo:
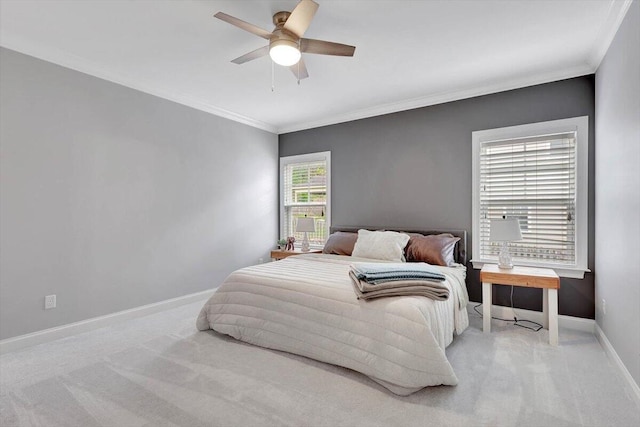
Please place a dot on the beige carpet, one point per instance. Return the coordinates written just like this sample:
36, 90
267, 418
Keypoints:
159, 371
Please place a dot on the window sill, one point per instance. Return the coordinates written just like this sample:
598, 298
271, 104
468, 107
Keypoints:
573, 273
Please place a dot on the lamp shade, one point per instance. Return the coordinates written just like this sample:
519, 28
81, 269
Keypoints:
505, 230
306, 224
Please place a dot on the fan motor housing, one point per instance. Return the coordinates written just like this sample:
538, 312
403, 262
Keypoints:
280, 34
283, 37
280, 18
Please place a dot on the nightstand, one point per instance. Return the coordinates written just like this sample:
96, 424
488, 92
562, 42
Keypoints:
278, 254
531, 277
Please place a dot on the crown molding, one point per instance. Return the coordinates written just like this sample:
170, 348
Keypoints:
617, 11
443, 97
82, 65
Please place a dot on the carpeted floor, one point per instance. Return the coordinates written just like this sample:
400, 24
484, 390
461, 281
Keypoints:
159, 371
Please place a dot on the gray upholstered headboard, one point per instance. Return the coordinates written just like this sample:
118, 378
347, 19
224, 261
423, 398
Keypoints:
459, 253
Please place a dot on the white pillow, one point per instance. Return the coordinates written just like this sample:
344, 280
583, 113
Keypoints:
385, 245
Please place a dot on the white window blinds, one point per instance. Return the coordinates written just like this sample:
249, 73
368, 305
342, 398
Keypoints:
305, 193
534, 180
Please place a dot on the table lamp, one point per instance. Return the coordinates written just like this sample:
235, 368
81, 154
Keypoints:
505, 230
306, 225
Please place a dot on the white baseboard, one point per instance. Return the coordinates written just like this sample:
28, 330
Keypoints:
611, 352
567, 322
46, 335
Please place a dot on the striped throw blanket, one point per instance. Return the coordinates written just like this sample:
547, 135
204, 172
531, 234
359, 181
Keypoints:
374, 280
375, 273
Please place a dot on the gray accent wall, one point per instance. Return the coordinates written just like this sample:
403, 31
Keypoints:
618, 192
413, 169
111, 198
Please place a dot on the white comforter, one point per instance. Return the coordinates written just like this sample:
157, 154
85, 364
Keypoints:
306, 305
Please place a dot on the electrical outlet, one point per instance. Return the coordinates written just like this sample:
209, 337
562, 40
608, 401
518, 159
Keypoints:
49, 302
260, 260
604, 306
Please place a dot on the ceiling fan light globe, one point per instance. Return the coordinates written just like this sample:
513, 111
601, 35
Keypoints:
284, 52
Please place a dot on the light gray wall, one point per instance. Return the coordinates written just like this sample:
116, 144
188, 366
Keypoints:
111, 198
618, 192
413, 168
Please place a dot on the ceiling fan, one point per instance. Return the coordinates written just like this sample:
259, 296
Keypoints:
285, 41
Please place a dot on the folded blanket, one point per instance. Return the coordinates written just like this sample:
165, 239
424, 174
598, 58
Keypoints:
376, 273
427, 288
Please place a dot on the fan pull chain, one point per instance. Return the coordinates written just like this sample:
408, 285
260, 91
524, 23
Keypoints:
273, 85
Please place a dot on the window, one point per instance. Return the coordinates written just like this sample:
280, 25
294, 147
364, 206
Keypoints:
305, 188
538, 174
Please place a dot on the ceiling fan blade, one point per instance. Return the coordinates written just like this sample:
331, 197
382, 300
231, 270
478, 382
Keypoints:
301, 17
258, 53
299, 70
253, 29
322, 47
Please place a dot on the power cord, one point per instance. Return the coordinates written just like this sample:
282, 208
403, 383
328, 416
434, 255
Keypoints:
536, 326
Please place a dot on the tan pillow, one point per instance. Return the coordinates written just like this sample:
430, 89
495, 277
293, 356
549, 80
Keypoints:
340, 243
436, 249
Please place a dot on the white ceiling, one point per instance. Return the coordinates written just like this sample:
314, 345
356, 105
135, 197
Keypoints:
409, 53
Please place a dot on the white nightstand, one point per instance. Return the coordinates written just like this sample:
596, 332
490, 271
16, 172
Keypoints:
531, 277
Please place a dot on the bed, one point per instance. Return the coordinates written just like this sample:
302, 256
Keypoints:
306, 305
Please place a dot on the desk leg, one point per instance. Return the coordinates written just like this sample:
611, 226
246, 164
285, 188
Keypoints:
553, 316
486, 307
545, 308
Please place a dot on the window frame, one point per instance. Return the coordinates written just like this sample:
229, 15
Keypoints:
304, 158
574, 124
